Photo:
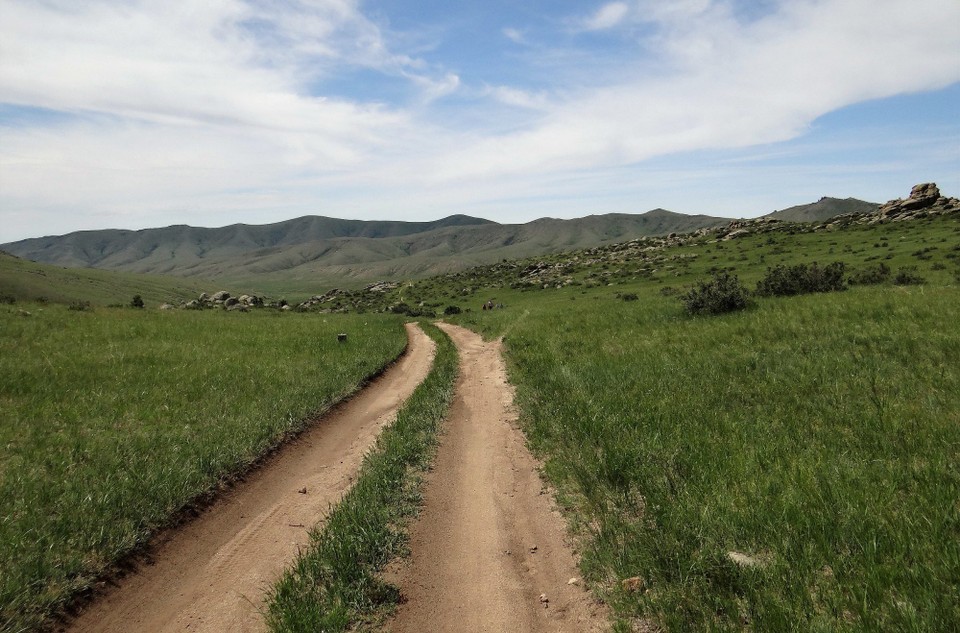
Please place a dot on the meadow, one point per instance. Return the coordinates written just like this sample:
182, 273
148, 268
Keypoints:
113, 421
790, 467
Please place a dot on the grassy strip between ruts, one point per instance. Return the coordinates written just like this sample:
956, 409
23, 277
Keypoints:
335, 583
113, 420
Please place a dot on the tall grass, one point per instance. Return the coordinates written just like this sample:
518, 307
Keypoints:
111, 421
817, 435
335, 583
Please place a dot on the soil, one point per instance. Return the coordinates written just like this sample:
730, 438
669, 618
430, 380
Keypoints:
489, 551
212, 574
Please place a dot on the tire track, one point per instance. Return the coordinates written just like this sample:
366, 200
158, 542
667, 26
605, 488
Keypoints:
212, 574
489, 551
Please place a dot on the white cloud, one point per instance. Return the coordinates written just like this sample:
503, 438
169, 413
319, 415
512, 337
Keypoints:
185, 110
514, 35
607, 16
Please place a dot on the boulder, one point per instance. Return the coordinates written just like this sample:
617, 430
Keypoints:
921, 196
167, 306
231, 301
223, 295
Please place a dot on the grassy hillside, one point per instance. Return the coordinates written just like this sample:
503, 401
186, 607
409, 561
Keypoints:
823, 210
113, 420
24, 280
310, 255
791, 467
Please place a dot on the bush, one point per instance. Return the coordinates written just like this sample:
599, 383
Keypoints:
79, 306
450, 310
786, 281
723, 293
629, 297
870, 276
908, 276
136, 302
8, 299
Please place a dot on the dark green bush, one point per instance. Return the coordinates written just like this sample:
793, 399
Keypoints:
79, 306
9, 299
870, 275
629, 297
786, 281
723, 293
449, 310
136, 302
908, 276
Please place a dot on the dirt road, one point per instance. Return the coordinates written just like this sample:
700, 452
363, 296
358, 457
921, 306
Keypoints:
211, 574
488, 551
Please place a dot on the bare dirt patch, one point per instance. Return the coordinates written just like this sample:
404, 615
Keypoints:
489, 551
212, 573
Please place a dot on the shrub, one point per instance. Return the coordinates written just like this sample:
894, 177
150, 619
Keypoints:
136, 302
9, 299
870, 275
401, 308
449, 310
908, 276
629, 297
785, 281
79, 306
723, 293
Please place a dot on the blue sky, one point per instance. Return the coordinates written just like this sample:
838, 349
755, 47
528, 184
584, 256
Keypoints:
143, 113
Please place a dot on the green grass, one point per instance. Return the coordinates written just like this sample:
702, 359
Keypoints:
334, 584
28, 281
819, 434
113, 420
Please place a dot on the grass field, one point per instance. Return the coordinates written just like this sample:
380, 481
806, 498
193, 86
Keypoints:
112, 420
792, 467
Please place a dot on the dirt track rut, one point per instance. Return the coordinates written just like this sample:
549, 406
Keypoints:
489, 550
211, 574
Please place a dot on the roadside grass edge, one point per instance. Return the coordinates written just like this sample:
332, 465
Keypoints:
335, 583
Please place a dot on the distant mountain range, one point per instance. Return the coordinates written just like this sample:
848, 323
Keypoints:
311, 252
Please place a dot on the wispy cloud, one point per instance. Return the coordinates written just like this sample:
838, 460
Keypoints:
607, 16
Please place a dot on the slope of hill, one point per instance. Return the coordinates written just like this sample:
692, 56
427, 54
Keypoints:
23, 280
823, 209
304, 253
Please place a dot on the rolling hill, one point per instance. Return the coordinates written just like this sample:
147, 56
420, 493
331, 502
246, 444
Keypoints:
307, 253
23, 280
823, 209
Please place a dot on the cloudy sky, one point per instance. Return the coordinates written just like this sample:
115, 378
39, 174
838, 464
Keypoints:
142, 113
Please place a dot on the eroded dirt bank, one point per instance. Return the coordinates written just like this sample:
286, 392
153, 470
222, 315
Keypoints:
489, 550
211, 574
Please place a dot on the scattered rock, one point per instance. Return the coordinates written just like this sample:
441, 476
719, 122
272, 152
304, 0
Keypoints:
167, 306
533, 549
633, 584
544, 600
744, 560
342, 336
23, 313
303, 490
573, 581
223, 295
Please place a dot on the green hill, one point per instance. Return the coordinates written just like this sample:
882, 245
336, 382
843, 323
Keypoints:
22, 280
309, 253
823, 209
